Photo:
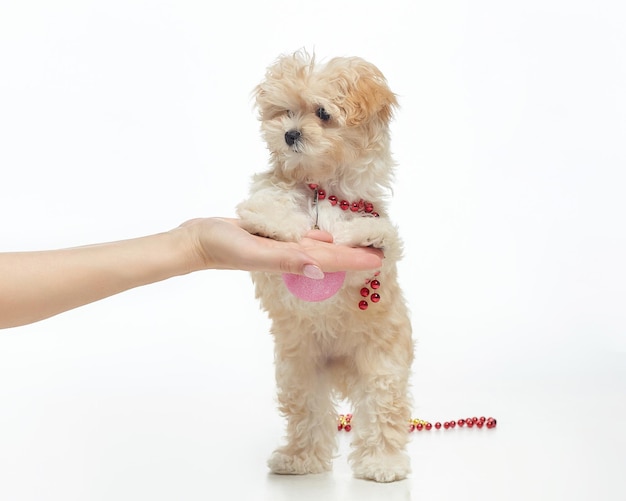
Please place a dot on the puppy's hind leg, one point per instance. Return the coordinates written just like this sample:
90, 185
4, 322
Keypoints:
305, 399
380, 424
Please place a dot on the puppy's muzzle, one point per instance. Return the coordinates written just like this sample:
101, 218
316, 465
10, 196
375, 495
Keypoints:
292, 136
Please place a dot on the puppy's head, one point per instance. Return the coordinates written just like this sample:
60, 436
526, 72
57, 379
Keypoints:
319, 120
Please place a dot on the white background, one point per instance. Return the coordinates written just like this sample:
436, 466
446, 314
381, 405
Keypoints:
125, 118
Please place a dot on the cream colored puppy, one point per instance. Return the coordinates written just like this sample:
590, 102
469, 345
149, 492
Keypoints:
347, 336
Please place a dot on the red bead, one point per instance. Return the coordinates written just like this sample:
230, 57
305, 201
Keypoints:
412, 428
363, 305
313, 186
375, 298
482, 419
480, 424
428, 426
344, 204
361, 205
461, 422
369, 207
375, 284
321, 194
332, 199
347, 427
452, 424
375, 214
419, 427
491, 423
339, 427
446, 425
474, 420
354, 207
469, 423
438, 425
365, 292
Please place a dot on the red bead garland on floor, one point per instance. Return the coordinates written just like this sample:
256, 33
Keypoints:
344, 423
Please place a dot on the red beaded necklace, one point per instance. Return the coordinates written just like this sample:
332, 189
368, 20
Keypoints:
344, 420
362, 207
358, 206
344, 423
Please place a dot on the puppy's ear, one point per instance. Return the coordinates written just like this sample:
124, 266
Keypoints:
285, 76
362, 90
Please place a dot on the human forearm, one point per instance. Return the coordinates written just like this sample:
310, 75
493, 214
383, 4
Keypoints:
37, 285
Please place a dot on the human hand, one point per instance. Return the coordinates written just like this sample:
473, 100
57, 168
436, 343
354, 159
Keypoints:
221, 243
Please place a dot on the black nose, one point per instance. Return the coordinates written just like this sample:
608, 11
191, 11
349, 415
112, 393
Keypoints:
292, 136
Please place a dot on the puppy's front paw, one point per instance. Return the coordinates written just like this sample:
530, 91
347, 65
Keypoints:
274, 213
369, 232
284, 229
286, 464
382, 468
377, 241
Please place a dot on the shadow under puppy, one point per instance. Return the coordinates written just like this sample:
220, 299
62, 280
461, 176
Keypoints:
349, 335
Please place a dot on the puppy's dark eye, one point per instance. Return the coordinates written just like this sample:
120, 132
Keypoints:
322, 114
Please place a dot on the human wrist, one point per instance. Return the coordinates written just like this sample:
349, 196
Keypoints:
189, 248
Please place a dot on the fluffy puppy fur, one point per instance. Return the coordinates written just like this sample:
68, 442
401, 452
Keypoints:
328, 124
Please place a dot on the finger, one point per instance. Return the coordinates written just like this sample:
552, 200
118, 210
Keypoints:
347, 258
360, 259
320, 235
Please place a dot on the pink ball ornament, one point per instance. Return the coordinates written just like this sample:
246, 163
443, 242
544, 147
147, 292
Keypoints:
309, 289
